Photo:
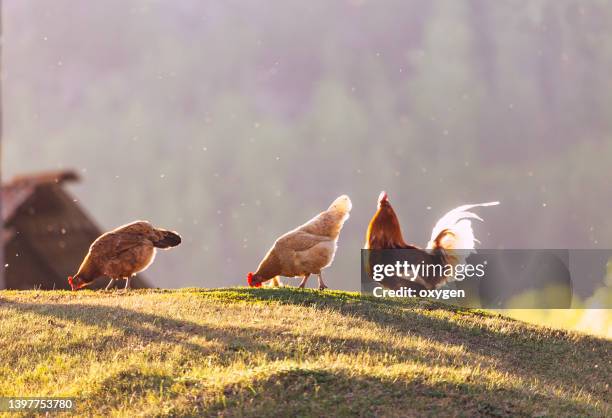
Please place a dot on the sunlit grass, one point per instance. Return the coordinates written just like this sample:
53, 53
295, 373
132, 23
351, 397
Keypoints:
591, 321
587, 315
271, 352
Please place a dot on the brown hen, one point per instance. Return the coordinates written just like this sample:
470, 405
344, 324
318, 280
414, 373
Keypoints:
123, 253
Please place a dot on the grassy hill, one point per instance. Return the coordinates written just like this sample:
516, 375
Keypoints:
265, 352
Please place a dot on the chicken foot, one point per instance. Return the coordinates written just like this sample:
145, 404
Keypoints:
109, 285
322, 285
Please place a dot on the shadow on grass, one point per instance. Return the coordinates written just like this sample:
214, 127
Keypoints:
148, 328
316, 392
528, 356
247, 342
308, 392
125, 386
586, 360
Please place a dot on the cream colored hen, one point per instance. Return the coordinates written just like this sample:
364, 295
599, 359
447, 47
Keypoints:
306, 250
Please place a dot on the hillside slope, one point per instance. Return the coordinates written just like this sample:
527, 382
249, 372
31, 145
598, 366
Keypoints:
265, 352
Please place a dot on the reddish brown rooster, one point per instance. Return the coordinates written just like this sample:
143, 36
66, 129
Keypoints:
452, 240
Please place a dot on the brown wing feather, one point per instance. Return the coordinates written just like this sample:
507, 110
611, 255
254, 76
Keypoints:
112, 245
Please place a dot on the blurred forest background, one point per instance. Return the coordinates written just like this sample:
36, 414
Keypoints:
235, 121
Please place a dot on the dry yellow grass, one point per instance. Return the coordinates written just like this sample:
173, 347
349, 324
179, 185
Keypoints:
287, 352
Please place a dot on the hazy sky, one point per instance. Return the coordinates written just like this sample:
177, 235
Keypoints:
232, 122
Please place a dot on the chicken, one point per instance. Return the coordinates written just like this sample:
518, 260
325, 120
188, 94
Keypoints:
452, 240
306, 250
122, 253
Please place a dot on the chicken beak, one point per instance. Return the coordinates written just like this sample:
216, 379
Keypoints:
74, 286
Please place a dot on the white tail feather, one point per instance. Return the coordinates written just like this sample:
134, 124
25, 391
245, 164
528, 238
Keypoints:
459, 225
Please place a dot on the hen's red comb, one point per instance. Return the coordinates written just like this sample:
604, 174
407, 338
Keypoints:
70, 282
250, 281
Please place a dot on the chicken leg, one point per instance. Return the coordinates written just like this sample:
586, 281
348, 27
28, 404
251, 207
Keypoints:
304, 280
109, 285
127, 283
322, 285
